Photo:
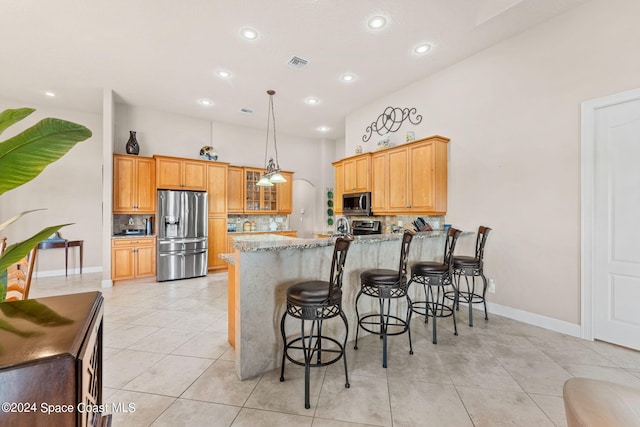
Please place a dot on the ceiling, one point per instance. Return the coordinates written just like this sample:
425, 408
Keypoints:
164, 54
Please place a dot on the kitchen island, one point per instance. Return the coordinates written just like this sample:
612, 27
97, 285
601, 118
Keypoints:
264, 266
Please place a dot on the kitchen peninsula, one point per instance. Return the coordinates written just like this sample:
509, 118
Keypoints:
264, 266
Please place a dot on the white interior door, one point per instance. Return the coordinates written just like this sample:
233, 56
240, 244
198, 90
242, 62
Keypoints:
616, 224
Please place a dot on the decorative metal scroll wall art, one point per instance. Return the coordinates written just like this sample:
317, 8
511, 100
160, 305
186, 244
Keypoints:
390, 121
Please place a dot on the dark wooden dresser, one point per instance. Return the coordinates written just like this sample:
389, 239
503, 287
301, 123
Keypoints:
51, 361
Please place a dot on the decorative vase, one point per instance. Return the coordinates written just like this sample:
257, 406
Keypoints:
208, 153
132, 144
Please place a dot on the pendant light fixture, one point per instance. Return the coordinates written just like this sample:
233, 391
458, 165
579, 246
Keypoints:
272, 168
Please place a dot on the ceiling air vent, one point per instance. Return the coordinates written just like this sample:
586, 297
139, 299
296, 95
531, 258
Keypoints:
297, 62
246, 111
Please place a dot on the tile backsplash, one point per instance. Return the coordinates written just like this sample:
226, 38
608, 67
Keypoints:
263, 222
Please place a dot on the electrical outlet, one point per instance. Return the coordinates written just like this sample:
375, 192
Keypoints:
492, 286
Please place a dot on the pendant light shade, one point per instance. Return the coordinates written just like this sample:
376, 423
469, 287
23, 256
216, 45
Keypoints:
272, 168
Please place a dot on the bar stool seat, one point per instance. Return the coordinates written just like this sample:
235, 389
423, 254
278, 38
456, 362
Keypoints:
385, 285
317, 301
435, 278
312, 293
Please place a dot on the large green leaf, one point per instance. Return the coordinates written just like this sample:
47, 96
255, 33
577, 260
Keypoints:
24, 156
17, 251
9, 117
17, 217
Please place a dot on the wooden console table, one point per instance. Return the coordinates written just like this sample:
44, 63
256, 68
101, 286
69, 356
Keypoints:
66, 244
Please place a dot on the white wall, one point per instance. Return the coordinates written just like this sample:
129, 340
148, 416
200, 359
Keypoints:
70, 189
513, 115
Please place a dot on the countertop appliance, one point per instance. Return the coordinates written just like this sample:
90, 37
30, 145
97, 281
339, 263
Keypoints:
364, 227
342, 226
182, 234
357, 204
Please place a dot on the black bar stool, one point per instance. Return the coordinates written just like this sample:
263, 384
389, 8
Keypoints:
471, 267
386, 285
438, 275
317, 301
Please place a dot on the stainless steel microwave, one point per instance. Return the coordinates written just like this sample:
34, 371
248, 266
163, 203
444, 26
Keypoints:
356, 204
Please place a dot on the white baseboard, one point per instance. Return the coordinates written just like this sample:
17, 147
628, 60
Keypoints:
54, 273
107, 283
535, 319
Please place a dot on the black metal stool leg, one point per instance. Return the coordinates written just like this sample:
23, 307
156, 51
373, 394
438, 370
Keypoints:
484, 299
355, 347
306, 351
344, 348
384, 323
470, 302
409, 310
284, 351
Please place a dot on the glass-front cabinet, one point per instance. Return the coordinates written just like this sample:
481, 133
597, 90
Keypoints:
259, 199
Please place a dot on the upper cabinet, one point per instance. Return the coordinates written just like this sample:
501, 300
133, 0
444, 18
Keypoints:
285, 194
352, 175
259, 199
235, 189
134, 184
408, 179
356, 173
415, 178
175, 173
244, 196
217, 188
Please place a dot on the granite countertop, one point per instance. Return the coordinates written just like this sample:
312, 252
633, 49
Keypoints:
260, 231
271, 242
133, 236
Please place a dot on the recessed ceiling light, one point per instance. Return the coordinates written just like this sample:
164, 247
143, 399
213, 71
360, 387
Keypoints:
249, 33
377, 22
223, 74
312, 101
49, 93
422, 49
205, 102
348, 77
324, 129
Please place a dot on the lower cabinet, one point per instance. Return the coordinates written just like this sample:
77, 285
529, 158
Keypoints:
217, 242
133, 258
52, 375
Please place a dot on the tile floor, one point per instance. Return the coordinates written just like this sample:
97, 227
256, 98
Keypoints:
166, 351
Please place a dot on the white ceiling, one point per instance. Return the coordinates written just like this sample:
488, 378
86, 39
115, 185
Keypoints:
163, 54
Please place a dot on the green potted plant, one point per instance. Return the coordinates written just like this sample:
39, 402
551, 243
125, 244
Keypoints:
22, 158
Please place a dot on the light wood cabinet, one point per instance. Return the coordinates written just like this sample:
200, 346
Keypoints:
352, 175
134, 184
217, 188
217, 242
408, 179
411, 178
338, 189
356, 174
259, 199
244, 196
285, 194
133, 258
379, 182
174, 173
235, 189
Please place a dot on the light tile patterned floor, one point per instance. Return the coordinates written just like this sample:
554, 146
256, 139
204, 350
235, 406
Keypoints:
166, 351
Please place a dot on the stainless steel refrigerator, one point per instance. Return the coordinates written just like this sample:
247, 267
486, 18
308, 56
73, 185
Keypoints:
182, 234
